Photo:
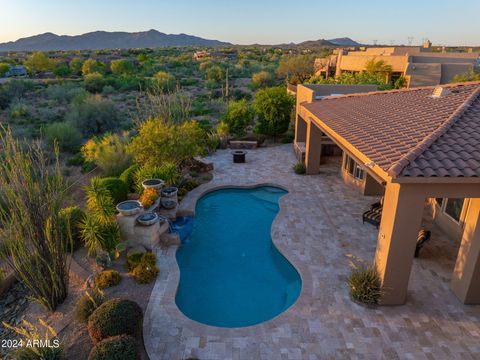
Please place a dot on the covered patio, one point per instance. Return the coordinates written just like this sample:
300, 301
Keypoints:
319, 229
418, 144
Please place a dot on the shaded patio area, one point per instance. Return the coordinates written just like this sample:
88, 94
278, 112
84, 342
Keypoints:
319, 226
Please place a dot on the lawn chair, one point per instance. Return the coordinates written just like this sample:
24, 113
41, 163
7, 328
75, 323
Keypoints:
374, 215
423, 237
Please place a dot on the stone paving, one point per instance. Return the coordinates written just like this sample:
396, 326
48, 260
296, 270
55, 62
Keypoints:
318, 227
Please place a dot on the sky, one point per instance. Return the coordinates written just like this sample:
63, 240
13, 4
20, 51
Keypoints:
444, 22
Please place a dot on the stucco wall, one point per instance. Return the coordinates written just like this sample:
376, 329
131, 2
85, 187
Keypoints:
453, 230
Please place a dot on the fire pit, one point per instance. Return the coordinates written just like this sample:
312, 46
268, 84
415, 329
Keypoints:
239, 156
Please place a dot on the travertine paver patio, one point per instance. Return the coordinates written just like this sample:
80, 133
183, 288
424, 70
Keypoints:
318, 226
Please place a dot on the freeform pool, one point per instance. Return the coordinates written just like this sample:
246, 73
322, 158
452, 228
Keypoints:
231, 274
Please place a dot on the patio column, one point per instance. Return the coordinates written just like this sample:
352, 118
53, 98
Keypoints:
313, 148
465, 281
397, 238
300, 129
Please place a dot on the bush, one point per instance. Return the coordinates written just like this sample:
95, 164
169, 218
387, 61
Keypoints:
67, 137
94, 82
365, 284
168, 172
118, 188
107, 278
108, 153
115, 317
128, 176
93, 116
158, 142
72, 218
19, 109
145, 273
299, 168
238, 116
262, 79
87, 304
135, 259
99, 234
121, 347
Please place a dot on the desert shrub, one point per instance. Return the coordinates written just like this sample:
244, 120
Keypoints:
121, 67
115, 317
30, 333
107, 278
87, 304
91, 66
168, 172
93, 116
158, 142
128, 176
72, 218
66, 136
94, 82
145, 273
164, 81
299, 168
118, 188
97, 234
148, 197
238, 116
63, 93
75, 160
134, 259
108, 90
262, 79
365, 284
274, 109
121, 347
19, 109
108, 153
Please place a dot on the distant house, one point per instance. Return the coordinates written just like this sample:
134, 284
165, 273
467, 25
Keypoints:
420, 66
16, 71
223, 54
201, 55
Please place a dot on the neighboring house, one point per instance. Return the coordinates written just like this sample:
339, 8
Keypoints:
416, 147
419, 65
223, 54
16, 71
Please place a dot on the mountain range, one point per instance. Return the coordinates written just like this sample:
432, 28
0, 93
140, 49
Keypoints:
144, 39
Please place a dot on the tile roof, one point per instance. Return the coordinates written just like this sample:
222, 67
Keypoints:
408, 132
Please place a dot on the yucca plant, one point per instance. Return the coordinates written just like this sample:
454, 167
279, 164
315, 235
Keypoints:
31, 227
365, 284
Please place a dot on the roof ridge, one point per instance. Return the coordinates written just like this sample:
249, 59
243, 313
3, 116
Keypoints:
394, 91
414, 153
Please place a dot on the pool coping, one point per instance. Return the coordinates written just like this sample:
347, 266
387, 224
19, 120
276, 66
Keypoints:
164, 293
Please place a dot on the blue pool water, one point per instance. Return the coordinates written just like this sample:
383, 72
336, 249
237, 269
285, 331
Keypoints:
231, 274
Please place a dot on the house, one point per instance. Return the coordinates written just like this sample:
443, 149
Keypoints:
415, 147
419, 65
16, 71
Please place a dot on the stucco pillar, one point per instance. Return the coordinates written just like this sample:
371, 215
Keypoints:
397, 237
465, 281
313, 148
300, 129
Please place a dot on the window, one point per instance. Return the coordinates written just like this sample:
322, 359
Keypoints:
453, 208
353, 168
439, 201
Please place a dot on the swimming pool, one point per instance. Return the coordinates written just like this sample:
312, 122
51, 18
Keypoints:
231, 274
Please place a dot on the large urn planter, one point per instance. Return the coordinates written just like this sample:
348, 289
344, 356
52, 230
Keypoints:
129, 207
170, 192
147, 219
156, 184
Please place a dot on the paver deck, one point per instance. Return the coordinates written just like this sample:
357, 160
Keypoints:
318, 227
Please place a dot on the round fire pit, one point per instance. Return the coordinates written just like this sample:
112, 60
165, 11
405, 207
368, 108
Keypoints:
156, 184
129, 207
147, 219
170, 191
239, 156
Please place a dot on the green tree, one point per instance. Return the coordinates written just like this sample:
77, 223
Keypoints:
296, 68
375, 67
468, 76
274, 109
158, 142
121, 67
61, 70
215, 73
238, 116
92, 66
4, 67
76, 66
262, 79
38, 62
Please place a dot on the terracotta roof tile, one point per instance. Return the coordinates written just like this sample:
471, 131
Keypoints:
408, 132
